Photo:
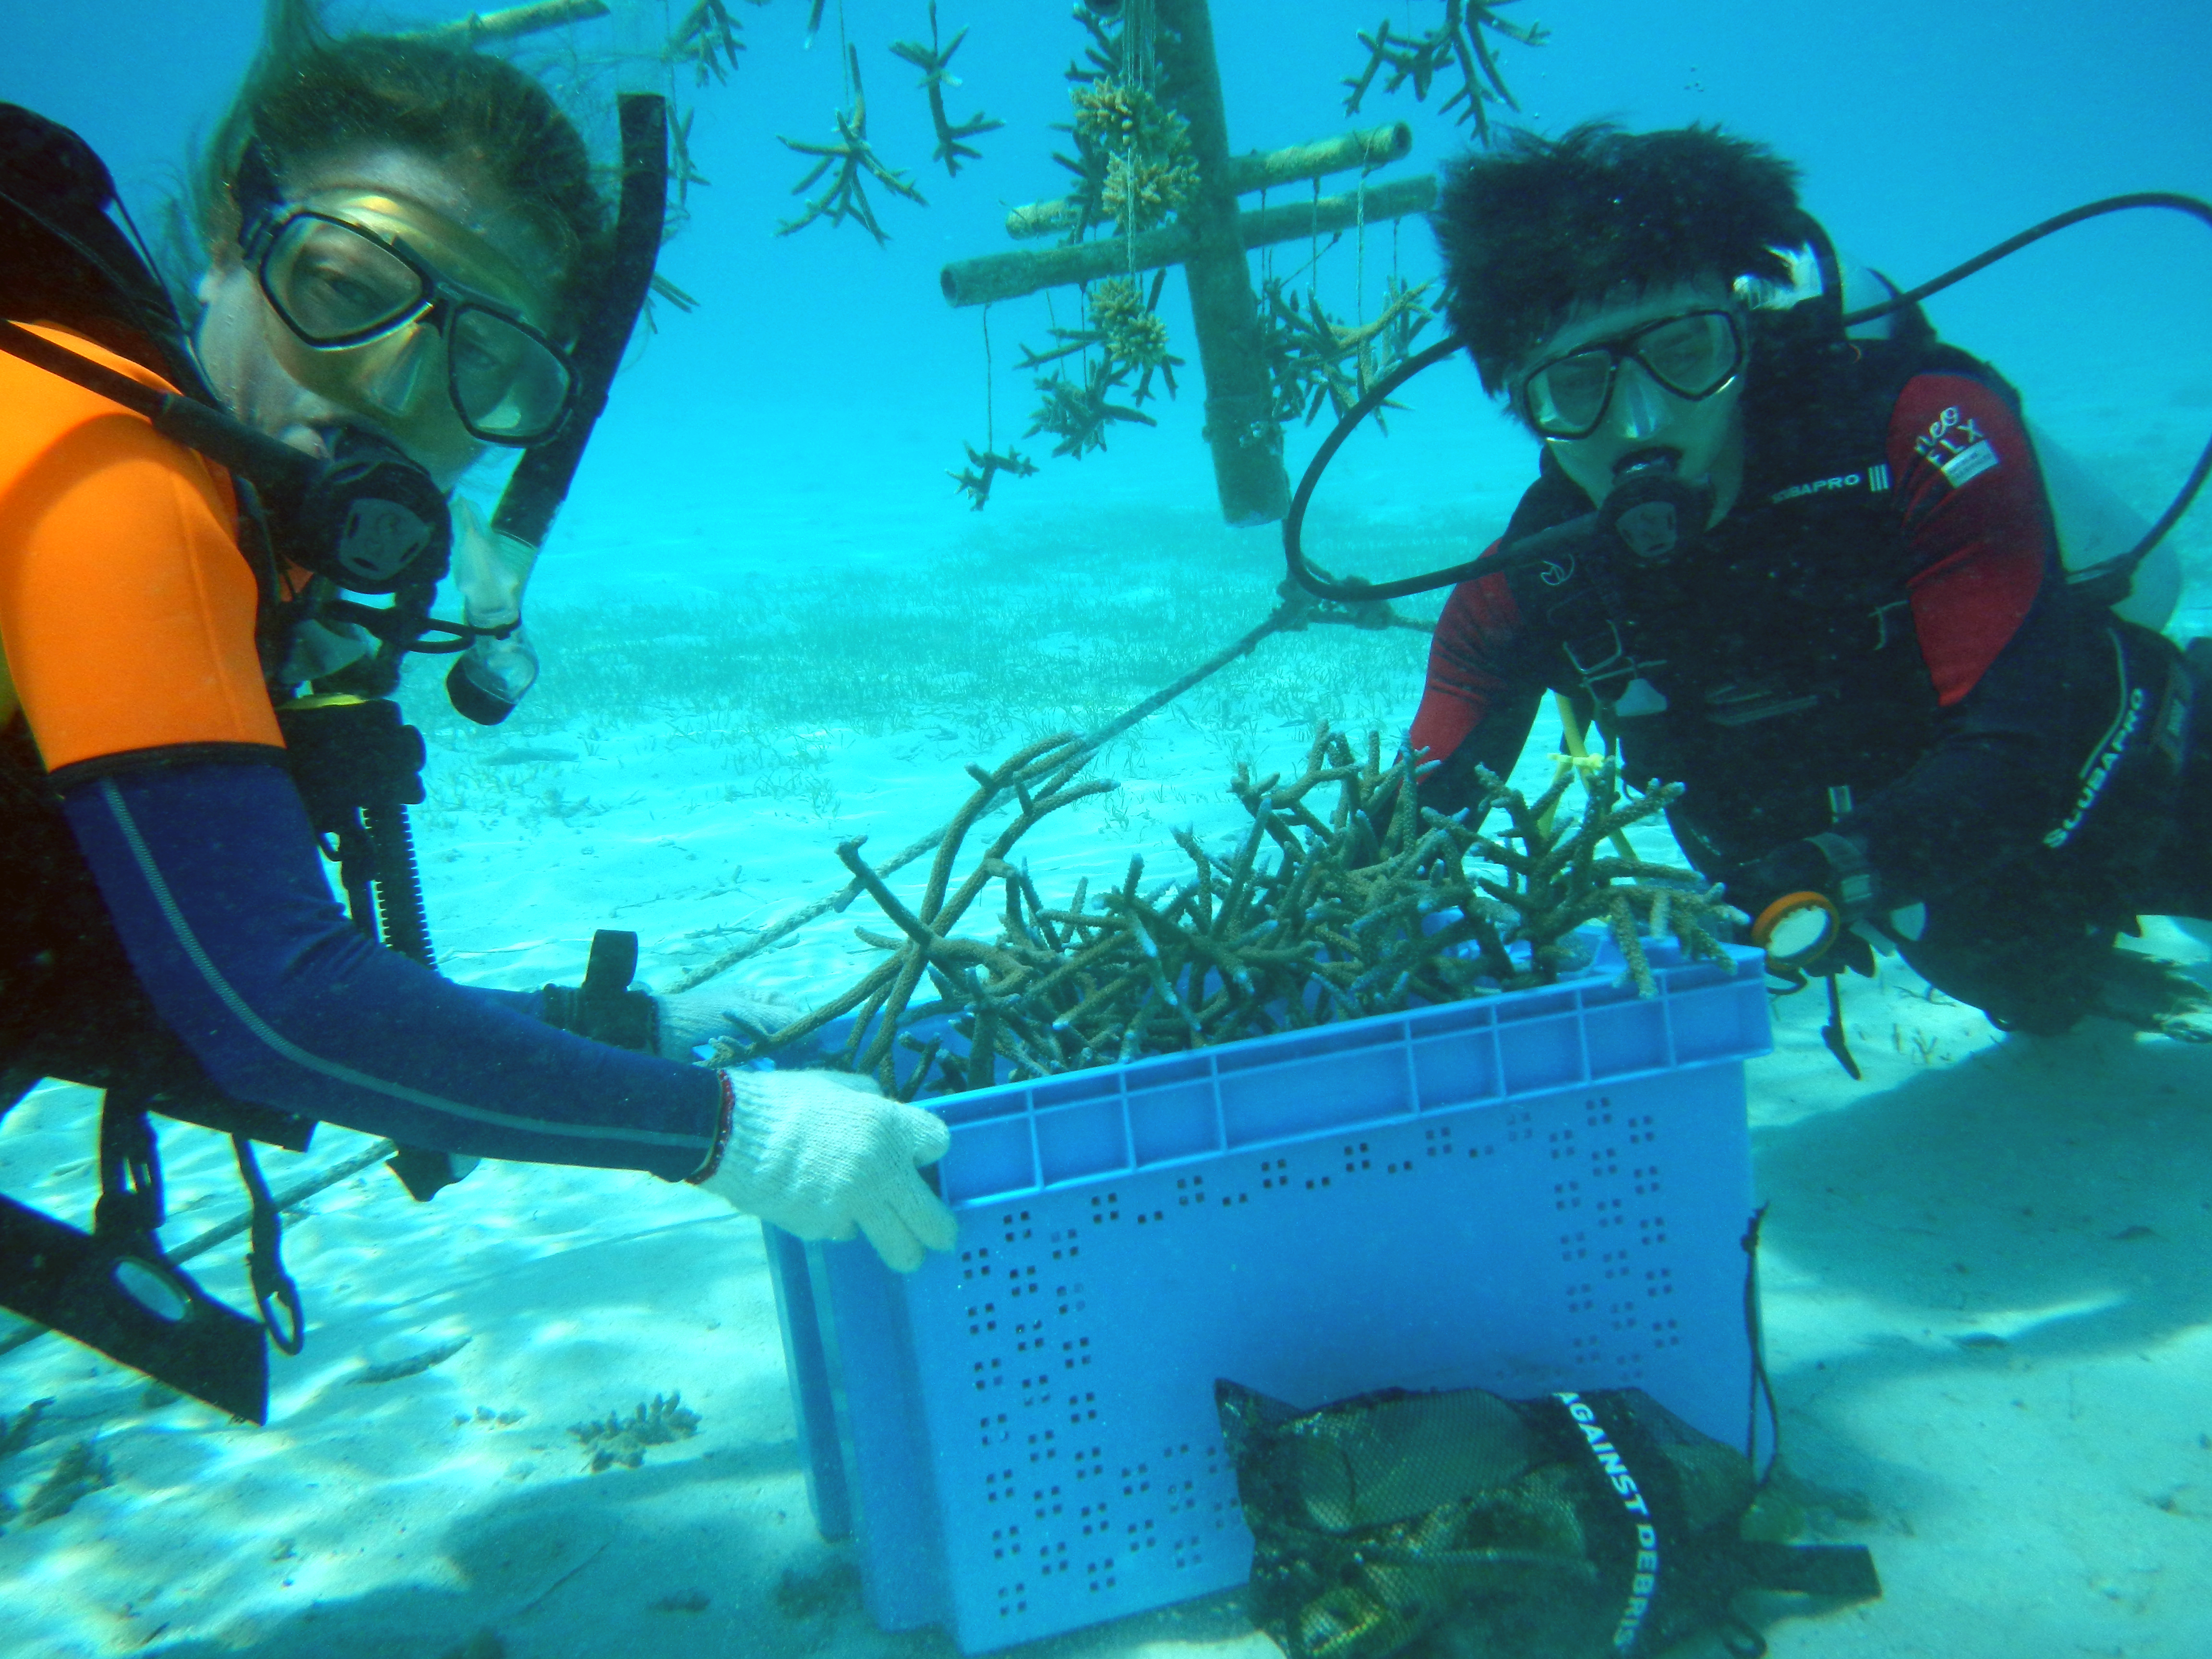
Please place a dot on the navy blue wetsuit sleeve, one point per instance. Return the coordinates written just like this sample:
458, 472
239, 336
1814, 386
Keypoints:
2004, 761
531, 1003
210, 874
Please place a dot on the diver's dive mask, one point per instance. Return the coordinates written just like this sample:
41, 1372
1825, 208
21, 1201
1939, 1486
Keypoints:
343, 291
1692, 356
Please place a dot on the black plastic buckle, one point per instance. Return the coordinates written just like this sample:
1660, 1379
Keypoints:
604, 1008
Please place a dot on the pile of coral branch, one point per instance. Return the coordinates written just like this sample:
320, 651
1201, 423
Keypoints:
1345, 897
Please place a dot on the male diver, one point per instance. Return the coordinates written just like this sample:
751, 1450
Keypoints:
1821, 588
403, 244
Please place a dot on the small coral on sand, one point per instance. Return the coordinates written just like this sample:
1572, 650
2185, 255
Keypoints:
625, 1440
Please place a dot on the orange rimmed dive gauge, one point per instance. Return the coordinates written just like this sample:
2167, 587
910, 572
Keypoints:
1797, 928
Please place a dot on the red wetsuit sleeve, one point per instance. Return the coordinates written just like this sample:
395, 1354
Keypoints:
1474, 639
1976, 522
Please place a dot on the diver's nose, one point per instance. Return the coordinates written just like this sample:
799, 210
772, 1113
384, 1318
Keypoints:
1640, 410
399, 374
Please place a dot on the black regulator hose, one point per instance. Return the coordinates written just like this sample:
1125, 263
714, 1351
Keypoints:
2113, 574
1353, 590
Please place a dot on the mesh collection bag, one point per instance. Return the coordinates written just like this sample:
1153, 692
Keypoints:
1462, 1525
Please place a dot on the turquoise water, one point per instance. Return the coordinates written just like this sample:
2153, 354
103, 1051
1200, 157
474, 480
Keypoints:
769, 624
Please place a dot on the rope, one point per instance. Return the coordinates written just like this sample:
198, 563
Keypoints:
990, 432
1313, 246
1129, 211
1359, 257
1137, 44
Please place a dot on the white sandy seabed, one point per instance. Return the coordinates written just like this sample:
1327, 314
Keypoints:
1987, 1283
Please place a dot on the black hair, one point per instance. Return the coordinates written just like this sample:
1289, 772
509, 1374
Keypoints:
311, 93
1541, 228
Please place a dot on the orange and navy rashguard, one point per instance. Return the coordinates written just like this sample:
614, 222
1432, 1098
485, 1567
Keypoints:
127, 652
1925, 666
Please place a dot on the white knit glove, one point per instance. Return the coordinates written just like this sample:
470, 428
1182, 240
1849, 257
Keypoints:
747, 1013
822, 1154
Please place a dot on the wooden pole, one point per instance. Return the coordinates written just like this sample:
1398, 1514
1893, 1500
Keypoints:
1007, 275
1254, 170
1240, 412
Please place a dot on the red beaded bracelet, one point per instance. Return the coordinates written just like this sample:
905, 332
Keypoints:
705, 1170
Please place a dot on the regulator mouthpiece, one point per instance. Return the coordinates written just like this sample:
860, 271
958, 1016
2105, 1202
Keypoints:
375, 516
1652, 509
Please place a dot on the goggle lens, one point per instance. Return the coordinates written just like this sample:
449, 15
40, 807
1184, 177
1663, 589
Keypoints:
1693, 356
506, 382
332, 285
336, 286
1570, 396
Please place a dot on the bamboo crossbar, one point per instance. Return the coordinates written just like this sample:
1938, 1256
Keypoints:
1371, 147
994, 276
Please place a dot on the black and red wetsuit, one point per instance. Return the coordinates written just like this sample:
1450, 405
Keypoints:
1883, 613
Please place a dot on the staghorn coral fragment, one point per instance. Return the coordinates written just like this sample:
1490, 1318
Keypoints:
1322, 909
856, 162
984, 466
1315, 361
1456, 42
935, 63
414, 1365
1080, 416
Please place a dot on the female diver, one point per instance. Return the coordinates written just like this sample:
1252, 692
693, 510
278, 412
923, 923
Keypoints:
401, 238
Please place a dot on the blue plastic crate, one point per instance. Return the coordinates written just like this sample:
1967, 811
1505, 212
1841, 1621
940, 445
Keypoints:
1541, 1189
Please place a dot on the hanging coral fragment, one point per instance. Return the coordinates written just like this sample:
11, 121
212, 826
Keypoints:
1133, 161
709, 39
984, 465
935, 65
1458, 43
1079, 414
1317, 360
1125, 329
856, 161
